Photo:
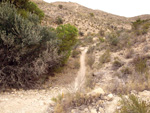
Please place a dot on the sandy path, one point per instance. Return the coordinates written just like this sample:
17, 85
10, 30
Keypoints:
32, 101
79, 81
38, 101
76, 9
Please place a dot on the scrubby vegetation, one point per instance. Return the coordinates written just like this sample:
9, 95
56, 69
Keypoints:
90, 60
140, 64
133, 104
105, 57
60, 6
59, 21
140, 27
64, 103
29, 50
26, 6
67, 36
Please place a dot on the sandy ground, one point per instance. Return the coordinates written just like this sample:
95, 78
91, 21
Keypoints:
38, 101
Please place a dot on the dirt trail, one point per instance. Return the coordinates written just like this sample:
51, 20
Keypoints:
32, 101
76, 9
38, 101
79, 81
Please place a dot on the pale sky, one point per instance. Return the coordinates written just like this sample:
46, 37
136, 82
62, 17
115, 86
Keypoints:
127, 8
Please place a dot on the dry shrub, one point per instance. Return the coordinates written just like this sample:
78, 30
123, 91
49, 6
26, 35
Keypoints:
59, 109
105, 58
90, 60
89, 83
129, 53
76, 64
72, 100
91, 50
117, 64
126, 71
27, 49
75, 53
88, 40
140, 64
133, 104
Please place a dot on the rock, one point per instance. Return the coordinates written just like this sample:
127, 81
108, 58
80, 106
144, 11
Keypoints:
73, 111
134, 92
110, 97
144, 93
118, 107
101, 110
89, 107
93, 111
100, 102
98, 73
97, 92
86, 110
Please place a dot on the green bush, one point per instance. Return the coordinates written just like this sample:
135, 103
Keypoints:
27, 50
134, 105
33, 8
113, 39
105, 57
60, 6
91, 14
101, 39
67, 35
140, 27
26, 6
59, 21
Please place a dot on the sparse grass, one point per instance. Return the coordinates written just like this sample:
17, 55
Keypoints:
90, 60
126, 71
101, 39
81, 33
70, 101
106, 57
59, 20
60, 6
140, 64
75, 53
101, 33
129, 53
77, 64
140, 27
117, 64
58, 98
89, 83
133, 104
91, 14
88, 40
91, 50
112, 39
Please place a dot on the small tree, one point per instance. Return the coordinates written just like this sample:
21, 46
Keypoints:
67, 35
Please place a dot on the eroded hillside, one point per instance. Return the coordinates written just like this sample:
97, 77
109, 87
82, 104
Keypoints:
111, 58
85, 19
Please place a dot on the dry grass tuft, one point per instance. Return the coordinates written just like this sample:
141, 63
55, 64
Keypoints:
133, 104
105, 58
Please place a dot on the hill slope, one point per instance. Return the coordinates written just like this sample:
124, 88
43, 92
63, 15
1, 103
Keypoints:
85, 19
